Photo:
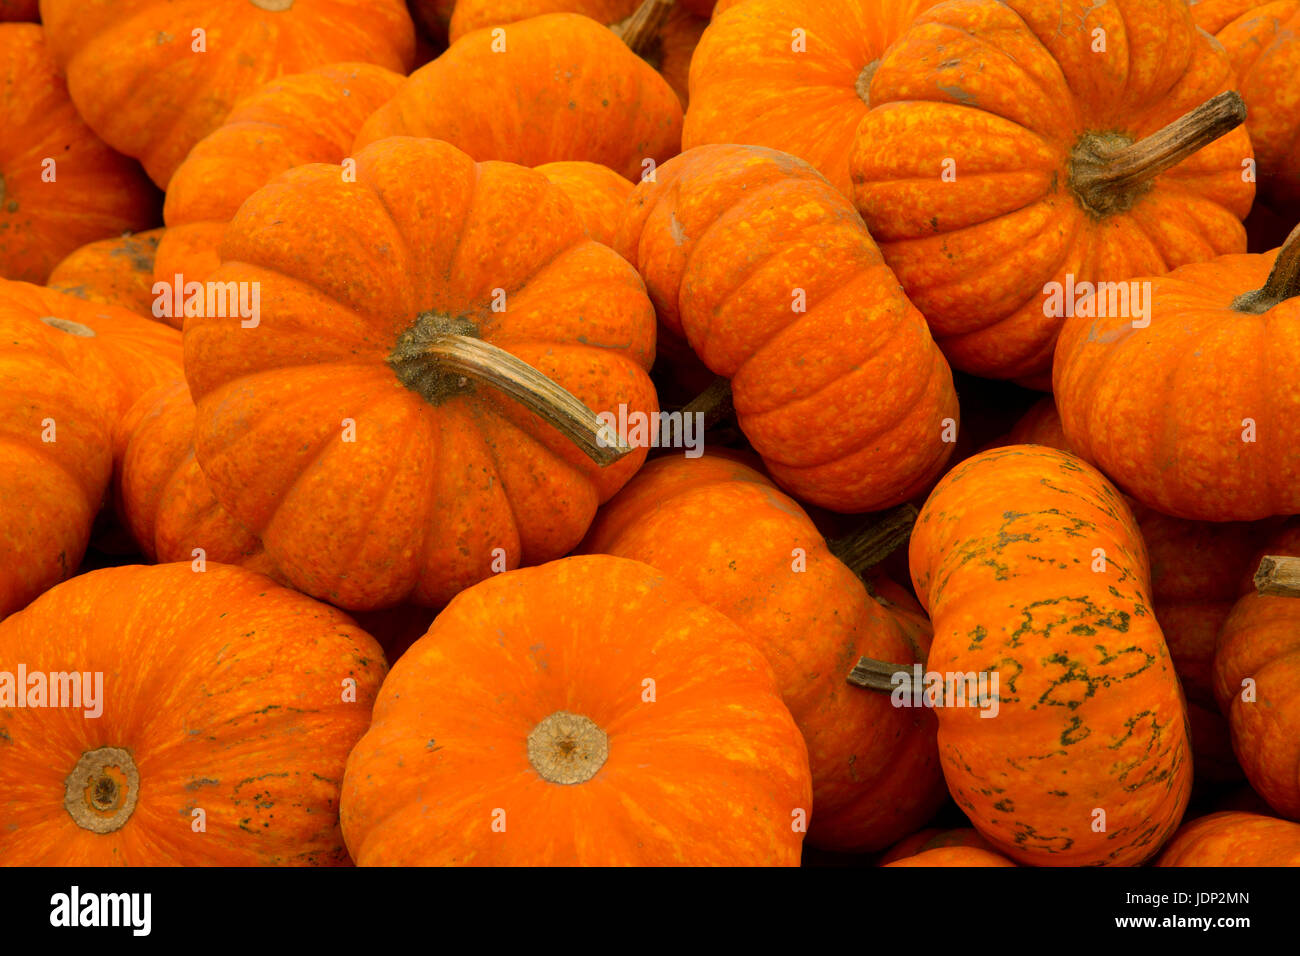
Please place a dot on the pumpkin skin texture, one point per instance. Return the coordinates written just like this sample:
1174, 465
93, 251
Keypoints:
1091, 714
436, 480
750, 85
975, 252
598, 195
59, 483
954, 856
309, 117
1234, 839
722, 530
133, 75
605, 104
1263, 42
1133, 401
714, 772
115, 271
226, 693
95, 192
846, 401
1261, 640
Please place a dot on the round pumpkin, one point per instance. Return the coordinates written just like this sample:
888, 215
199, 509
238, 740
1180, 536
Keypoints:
954, 856
1196, 414
1256, 666
639, 727
792, 75
587, 97
1033, 572
1233, 838
55, 460
1262, 38
722, 530
153, 77
116, 271
308, 117
360, 430
772, 278
60, 185
224, 710
1011, 152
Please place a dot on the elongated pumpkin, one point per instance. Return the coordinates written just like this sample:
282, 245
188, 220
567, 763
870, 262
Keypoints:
154, 77
1017, 149
224, 708
1233, 838
1195, 414
772, 278
117, 271
1033, 571
588, 97
360, 429
641, 728
61, 186
721, 529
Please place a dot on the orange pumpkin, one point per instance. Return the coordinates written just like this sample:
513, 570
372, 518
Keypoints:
598, 195
154, 77
60, 186
1256, 666
309, 117
1234, 839
1010, 152
599, 102
226, 709
1133, 398
115, 271
722, 530
1034, 573
1262, 38
359, 430
54, 459
775, 283
926, 840
792, 75
641, 727
954, 856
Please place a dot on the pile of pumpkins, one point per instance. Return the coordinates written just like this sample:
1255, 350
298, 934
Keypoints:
322, 540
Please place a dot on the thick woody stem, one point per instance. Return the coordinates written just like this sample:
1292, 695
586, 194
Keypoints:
714, 402
1283, 281
1278, 575
879, 537
641, 29
877, 675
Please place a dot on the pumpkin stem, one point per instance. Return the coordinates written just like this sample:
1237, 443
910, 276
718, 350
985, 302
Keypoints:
567, 748
714, 402
863, 84
1283, 280
878, 538
441, 358
640, 31
1109, 172
67, 325
1278, 575
877, 675
101, 792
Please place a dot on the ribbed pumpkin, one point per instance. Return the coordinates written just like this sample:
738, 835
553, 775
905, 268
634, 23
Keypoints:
934, 839
774, 281
1007, 558
55, 460
1011, 145
1234, 839
588, 98
722, 530
1262, 38
137, 75
360, 430
1135, 401
116, 271
309, 117
792, 75
117, 355
598, 195
954, 856
1260, 644
220, 693
60, 185
600, 716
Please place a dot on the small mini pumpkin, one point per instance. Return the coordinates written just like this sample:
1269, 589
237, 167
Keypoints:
117, 271
1233, 838
220, 698
641, 727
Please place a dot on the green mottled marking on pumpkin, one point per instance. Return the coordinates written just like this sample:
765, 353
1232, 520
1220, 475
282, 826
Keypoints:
1075, 732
